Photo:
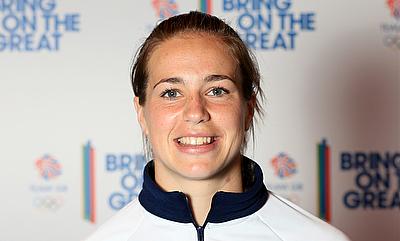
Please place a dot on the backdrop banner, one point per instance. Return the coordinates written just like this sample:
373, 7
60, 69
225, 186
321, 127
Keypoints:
71, 148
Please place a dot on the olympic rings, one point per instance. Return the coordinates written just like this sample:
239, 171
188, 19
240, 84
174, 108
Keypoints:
51, 203
392, 41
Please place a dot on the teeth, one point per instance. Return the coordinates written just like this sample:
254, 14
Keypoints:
195, 140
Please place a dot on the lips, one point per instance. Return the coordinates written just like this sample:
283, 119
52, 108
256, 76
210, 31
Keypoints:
195, 141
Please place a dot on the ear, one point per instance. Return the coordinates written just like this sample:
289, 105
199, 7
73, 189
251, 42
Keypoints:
250, 111
140, 115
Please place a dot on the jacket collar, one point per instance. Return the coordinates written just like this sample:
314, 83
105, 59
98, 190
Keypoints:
225, 206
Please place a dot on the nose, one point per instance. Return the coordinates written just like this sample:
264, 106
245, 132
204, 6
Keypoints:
196, 110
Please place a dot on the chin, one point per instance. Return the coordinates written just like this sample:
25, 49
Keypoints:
199, 171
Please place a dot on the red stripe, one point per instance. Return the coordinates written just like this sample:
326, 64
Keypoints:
328, 184
209, 6
92, 186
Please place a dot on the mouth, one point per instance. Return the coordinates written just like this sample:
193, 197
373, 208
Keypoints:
195, 141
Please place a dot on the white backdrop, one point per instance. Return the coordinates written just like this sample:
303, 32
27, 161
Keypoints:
64, 81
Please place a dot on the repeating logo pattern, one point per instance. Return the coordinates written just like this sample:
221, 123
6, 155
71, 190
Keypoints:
35, 26
205, 6
324, 193
165, 8
270, 25
89, 203
394, 6
48, 191
48, 167
130, 168
376, 176
283, 165
48, 202
286, 169
391, 29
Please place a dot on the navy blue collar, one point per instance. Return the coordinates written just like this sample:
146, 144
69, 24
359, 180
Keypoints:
225, 206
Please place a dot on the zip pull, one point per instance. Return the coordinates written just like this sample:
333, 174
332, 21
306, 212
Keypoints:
200, 233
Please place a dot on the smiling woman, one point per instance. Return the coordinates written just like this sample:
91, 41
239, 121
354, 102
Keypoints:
197, 89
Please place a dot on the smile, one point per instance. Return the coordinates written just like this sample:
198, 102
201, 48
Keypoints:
196, 141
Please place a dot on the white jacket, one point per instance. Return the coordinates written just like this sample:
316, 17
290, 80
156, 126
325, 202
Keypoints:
254, 215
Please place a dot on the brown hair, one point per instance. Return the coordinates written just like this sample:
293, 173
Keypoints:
199, 23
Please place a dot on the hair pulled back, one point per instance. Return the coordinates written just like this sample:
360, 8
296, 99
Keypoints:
198, 23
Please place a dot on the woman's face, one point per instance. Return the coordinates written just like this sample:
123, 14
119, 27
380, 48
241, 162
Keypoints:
195, 115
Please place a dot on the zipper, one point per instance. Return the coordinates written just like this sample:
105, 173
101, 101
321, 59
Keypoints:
200, 233
199, 229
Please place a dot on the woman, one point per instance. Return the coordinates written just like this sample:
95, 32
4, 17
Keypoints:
197, 89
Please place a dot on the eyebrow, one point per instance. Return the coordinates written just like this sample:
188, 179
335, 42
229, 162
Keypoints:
218, 77
173, 80
210, 78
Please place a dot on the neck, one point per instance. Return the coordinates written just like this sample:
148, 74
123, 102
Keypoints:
200, 191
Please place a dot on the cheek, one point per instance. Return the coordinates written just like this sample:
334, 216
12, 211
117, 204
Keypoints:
160, 119
232, 116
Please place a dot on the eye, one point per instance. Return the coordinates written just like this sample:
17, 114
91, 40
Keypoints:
218, 91
170, 93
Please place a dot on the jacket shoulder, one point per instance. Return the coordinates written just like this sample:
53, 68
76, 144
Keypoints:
122, 225
292, 223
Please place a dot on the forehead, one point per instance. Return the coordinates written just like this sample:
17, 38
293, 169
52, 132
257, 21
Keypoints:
191, 55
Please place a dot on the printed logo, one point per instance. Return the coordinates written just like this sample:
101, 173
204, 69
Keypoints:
324, 188
48, 202
376, 179
283, 165
48, 167
391, 30
128, 168
165, 8
394, 6
205, 6
287, 185
34, 26
131, 169
48, 191
269, 25
89, 195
